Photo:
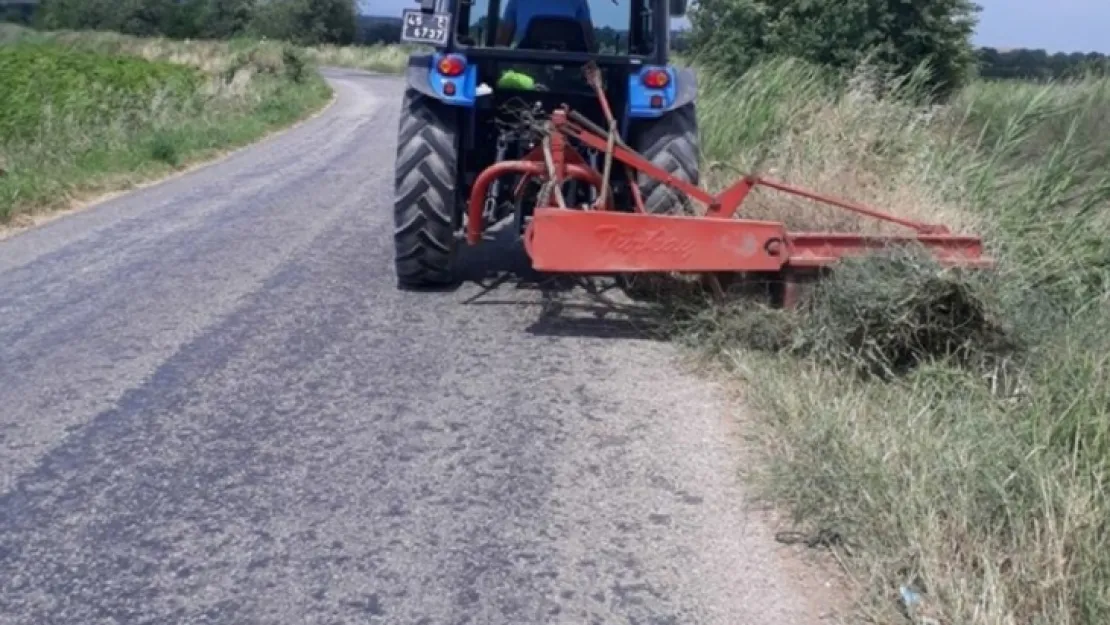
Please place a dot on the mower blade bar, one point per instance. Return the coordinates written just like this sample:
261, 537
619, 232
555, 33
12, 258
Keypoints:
601, 242
817, 249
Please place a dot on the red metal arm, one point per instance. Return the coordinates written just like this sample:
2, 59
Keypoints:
605, 241
474, 226
726, 203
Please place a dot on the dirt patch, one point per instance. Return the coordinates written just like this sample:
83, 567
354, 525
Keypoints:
816, 568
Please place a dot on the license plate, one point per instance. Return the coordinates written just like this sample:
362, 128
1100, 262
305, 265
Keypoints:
428, 28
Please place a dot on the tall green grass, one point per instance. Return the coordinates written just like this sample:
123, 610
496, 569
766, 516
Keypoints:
983, 485
385, 59
84, 113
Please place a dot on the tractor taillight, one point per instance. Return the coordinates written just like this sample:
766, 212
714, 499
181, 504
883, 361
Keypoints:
451, 65
655, 78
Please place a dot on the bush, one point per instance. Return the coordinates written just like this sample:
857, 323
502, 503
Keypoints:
896, 37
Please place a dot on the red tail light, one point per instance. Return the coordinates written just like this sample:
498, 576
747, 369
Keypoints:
655, 78
451, 66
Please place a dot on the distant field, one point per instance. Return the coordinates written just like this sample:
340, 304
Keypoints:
83, 113
380, 58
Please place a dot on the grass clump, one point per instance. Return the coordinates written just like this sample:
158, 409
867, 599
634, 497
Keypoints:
887, 314
385, 59
879, 316
974, 468
84, 113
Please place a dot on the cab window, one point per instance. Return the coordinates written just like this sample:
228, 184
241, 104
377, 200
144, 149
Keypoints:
612, 23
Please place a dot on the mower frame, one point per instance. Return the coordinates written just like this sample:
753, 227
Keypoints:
635, 221
602, 239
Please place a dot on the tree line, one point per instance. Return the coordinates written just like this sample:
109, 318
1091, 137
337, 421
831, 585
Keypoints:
1030, 64
304, 22
893, 35
897, 39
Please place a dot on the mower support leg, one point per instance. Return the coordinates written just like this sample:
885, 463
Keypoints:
791, 289
794, 284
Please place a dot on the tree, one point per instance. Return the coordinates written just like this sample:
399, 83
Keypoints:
895, 35
308, 22
300, 21
223, 19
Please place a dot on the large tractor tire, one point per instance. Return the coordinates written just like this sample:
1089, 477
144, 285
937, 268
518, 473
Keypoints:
670, 143
424, 210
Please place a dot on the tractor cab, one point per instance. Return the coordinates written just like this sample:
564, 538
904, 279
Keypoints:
576, 123
478, 47
625, 28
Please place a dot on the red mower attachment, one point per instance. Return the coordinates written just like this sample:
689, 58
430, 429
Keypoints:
599, 239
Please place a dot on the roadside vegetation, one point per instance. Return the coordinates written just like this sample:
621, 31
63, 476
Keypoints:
100, 95
385, 59
947, 433
84, 113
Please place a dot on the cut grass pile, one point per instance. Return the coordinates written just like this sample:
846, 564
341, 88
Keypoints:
973, 469
85, 113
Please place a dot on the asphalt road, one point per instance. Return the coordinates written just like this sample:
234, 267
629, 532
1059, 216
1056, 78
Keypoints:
215, 407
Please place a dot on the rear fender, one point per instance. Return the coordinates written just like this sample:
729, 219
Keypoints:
422, 75
681, 90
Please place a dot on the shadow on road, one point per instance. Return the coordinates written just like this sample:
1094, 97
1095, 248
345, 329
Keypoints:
567, 306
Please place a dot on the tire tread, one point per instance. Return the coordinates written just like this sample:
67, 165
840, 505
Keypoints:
425, 192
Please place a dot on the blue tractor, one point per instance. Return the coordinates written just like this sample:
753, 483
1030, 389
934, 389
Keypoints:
466, 100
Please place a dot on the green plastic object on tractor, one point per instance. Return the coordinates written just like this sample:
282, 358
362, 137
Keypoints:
516, 80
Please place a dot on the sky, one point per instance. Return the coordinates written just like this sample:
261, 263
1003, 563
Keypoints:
1055, 25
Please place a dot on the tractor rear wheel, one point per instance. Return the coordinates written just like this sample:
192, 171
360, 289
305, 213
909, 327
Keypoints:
424, 210
670, 143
